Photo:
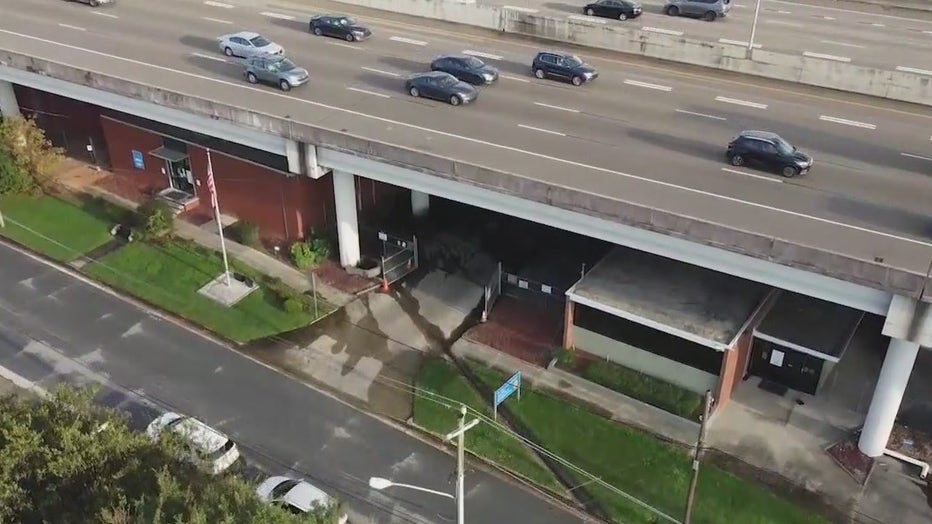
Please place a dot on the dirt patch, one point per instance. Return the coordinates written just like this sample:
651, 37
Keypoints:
911, 442
846, 454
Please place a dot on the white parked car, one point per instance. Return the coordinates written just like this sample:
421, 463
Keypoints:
209, 448
246, 44
295, 495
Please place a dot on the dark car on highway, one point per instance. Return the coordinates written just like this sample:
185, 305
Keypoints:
95, 3
768, 151
618, 9
466, 68
549, 64
441, 86
338, 26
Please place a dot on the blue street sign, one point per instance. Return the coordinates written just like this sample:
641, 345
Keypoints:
512, 385
138, 161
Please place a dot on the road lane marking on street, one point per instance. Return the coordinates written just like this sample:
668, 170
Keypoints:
782, 22
106, 15
277, 15
920, 157
582, 18
221, 5
648, 85
69, 26
738, 102
539, 130
905, 69
826, 57
480, 54
928, 32
784, 12
341, 44
516, 78
662, 31
741, 43
558, 108
828, 18
472, 140
367, 92
853, 123
703, 115
379, 71
216, 20
878, 24
522, 9
842, 44
407, 40
752, 175
211, 57
840, 10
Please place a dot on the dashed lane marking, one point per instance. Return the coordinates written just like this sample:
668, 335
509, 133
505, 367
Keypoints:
739, 102
540, 130
844, 121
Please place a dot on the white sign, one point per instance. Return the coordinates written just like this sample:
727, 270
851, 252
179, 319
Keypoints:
776, 358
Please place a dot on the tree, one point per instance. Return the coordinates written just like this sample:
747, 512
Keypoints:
63, 460
13, 180
32, 153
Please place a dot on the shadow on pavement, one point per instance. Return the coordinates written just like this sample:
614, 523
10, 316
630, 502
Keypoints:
201, 43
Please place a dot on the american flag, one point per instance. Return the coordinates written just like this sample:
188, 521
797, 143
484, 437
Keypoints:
210, 182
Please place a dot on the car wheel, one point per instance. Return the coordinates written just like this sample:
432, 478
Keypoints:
737, 160
673, 10
284, 85
790, 171
227, 51
94, 3
577, 81
590, 12
318, 32
349, 37
622, 17
414, 92
455, 100
539, 73
251, 78
709, 16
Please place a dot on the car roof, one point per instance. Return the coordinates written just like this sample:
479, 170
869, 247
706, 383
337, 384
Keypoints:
201, 435
304, 495
248, 35
558, 53
431, 74
764, 135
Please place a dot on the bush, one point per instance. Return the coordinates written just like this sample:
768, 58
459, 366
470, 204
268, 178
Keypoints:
294, 305
31, 152
13, 180
247, 233
308, 253
155, 219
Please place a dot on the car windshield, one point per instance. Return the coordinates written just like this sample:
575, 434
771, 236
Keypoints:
783, 146
258, 41
473, 62
447, 81
219, 452
573, 61
346, 22
282, 65
282, 489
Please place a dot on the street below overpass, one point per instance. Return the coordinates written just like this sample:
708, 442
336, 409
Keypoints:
644, 132
56, 329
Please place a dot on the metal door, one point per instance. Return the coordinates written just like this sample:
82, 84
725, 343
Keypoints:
790, 368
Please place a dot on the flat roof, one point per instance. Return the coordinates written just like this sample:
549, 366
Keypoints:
809, 325
694, 303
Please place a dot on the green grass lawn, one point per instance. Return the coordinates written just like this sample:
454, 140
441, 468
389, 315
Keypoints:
60, 228
642, 466
442, 378
169, 274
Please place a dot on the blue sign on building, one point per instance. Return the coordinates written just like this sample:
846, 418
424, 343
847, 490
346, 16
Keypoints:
510, 387
138, 160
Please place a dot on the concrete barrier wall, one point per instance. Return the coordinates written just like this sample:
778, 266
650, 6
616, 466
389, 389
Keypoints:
894, 85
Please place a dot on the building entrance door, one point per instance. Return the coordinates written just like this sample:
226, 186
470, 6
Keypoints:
785, 366
179, 175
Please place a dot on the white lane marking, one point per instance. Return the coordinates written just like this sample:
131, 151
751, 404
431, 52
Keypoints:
211, 3
905, 69
782, 22
662, 31
210, 57
752, 175
784, 13
739, 6
407, 40
277, 15
741, 43
846, 122
928, 32
516, 78
107, 15
558, 108
341, 44
842, 44
738, 102
379, 71
828, 18
522, 9
582, 18
216, 20
69, 26
492, 145
851, 11
648, 86
703, 115
367, 92
876, 24
539, 130
920, 157
826, 57
480, 54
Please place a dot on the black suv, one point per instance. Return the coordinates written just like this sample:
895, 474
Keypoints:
338, 26
549, 64
768, 151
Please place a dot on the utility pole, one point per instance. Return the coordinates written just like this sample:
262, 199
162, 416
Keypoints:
700, 448
460, 435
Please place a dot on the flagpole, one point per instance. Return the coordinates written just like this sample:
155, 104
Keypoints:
215, 203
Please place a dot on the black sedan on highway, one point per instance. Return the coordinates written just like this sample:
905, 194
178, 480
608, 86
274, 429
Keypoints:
338, 26
466, 68
617, 9
441, 86
769, 151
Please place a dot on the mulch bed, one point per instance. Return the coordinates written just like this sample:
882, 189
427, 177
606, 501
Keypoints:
846, 454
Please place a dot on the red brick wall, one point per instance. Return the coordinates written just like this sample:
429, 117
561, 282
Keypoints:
121, 140
734, 362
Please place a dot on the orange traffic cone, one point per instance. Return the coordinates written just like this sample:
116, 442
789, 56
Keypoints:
384, 288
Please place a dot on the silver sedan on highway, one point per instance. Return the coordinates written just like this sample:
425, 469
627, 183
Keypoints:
246, 44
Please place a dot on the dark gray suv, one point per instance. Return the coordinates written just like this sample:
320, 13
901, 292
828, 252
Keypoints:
768, 151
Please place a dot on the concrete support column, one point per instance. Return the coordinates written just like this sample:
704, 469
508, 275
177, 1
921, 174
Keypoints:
569, 317
885, 404
302, 159
420, 203
344, 197
9, 107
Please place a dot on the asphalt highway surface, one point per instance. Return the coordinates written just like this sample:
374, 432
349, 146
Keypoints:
839, 32
55, 328
643, 132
